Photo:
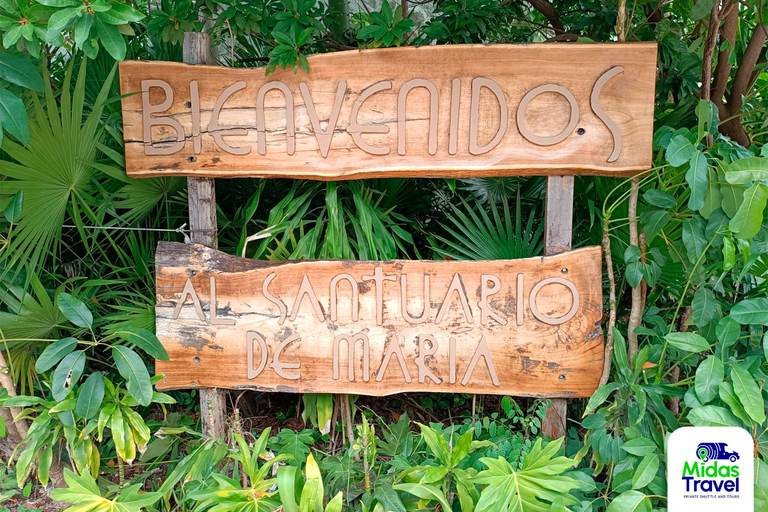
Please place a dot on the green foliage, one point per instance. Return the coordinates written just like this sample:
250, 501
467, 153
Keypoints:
76, 303
385, 28
93, 25
476, 235
538, 486
171, 21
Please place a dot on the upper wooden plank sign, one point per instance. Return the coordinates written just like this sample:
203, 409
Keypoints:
435, 111
522, 327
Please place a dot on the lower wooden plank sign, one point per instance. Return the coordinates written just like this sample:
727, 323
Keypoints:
518, 327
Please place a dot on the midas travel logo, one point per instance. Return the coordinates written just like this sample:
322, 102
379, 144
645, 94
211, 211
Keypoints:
709, 473
709, 469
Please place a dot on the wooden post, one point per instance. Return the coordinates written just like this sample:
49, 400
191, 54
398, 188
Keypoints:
202, 224
558, 230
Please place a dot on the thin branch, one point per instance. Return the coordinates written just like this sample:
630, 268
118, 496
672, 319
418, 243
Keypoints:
611, 303
549, 12
709, 51
723, 69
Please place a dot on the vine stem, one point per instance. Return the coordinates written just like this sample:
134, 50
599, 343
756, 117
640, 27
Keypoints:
120, 473
680, 303
636, 312
612, 304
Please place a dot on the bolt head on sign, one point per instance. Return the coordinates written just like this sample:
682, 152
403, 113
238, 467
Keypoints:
710, 469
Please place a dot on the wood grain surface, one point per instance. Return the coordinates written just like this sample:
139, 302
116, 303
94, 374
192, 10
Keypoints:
511, 327
435, 111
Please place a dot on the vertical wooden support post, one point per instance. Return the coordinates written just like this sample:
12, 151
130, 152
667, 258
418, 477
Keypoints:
558, 229
202, 224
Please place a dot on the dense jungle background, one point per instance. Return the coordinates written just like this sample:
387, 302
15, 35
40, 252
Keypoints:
686, 258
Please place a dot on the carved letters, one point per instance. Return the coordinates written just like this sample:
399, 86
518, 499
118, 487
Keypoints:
490, 110
527, 326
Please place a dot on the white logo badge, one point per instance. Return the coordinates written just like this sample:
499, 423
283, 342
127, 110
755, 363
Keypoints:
710, 469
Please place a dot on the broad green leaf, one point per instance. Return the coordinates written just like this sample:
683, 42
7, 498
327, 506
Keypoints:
24, 463
653, 222
765, 346
74, 309
54, 353
709, 376
295, 444
729, 254
704, 307
58, 3
697, 180
679, 151
600, 395
44, 465
63, 406
694, 238
436, 443
640, 446
646, 471
286, 487
13, 115
21, 401
461, 448
728, 396
83, 27
747, 169
133, 369
111, 39
712, 416
66, 374
425, 492
659, 198
748, 219
733, 195
534, 488
629, 501
12, 212
713, 197
20, 71
90, 396
120, 432
61, 20
336, 503
687, 341
702, 9
748, 393
751, 311
324, 412
143, 339
389, 498
707, 116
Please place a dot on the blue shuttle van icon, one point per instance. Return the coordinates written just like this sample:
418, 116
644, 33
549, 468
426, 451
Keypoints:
715, 451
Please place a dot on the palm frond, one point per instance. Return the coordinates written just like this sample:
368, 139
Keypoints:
473, 234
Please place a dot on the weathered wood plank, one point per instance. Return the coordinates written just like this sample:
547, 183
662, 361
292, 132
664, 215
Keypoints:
213, 309
435, 111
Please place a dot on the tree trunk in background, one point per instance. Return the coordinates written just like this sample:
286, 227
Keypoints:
338, 17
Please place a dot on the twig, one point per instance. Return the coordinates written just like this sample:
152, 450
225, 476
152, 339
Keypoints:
611, 302
636, 312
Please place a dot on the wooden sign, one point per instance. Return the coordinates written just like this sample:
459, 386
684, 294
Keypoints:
522, 327
435, 111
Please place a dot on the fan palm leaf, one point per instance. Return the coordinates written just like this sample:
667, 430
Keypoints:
54, 172
473, 234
